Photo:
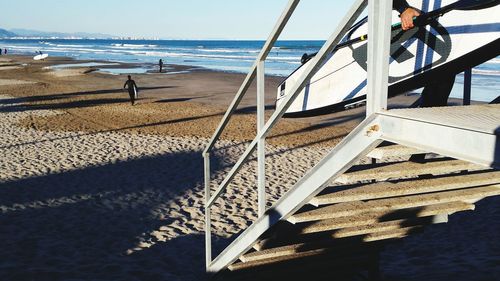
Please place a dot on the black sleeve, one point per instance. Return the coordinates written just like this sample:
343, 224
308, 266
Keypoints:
400, 5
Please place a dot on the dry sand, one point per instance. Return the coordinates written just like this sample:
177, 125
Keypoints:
94, 189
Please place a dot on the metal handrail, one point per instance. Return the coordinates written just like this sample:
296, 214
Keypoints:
280, 111
263, 131
266, 49
256, 69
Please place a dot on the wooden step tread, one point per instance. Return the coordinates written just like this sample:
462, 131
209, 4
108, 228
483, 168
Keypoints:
393, 151
403, 170
302, 250
388, 226
359, 207
393, 234
334, 240
308, 258
387, 189
315, 247
371, 218
306, 250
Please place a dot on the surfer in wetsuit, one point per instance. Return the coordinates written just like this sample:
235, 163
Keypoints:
160, 63
132, 89
437, 91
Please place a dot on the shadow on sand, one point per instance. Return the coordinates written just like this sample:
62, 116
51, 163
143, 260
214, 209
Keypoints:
78, 225
19, 104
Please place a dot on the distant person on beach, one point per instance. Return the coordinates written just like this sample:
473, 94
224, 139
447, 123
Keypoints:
160, 63
5, 51
438, 89
132, 89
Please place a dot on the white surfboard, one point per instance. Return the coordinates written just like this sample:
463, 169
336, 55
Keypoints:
136, 93
41, 57
456, 41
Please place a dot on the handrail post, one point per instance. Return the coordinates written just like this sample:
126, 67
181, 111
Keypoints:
379, 32
208, 216
467, 86
261, 145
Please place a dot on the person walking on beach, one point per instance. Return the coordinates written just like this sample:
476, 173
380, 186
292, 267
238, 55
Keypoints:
160, 63
132, 89
5, 51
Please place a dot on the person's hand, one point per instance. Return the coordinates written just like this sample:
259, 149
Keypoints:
407, 18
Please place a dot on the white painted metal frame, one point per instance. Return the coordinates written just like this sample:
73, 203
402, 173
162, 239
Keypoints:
379, 27
232, 252
378, 126
464, 144
261, 144
258, 70
357, 144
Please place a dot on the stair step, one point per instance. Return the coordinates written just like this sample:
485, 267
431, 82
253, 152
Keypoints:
387, 189
332, 239
300, 233
371, 218
355, 208
376, 232
301, 251
309, 248
393, 234
403, 170
390, 151
388, 226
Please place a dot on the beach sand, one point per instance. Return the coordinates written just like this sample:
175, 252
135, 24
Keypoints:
92, 188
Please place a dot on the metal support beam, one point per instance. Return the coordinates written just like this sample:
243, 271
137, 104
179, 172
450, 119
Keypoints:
261, 145
208, 223
334, 39
379, 32
357, 144
467, 86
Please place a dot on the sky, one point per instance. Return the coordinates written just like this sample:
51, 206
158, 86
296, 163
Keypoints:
176, 19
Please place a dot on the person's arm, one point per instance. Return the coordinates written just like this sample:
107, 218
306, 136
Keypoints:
125, 85
400, 5
407, 13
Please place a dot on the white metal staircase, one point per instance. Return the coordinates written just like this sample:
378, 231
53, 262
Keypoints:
369, 203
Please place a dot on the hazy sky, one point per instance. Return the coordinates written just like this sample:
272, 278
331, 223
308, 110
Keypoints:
176, 19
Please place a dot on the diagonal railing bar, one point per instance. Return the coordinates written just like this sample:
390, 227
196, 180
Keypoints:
266, 49
257, 68
317, 62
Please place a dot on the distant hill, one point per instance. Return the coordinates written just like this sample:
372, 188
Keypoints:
5, 34
45, 34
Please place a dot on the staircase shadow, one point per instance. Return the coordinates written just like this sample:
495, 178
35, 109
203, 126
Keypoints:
92, 223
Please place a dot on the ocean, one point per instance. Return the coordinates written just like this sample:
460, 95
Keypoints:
230, 56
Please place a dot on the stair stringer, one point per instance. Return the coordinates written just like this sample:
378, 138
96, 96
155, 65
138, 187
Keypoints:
356, 145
